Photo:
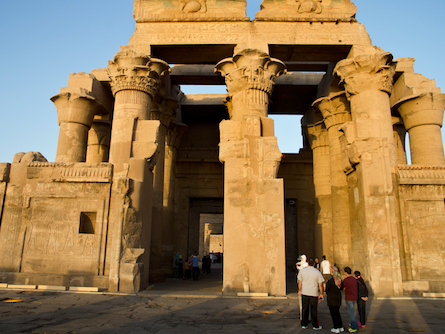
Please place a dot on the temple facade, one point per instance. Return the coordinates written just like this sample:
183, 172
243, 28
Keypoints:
144, 172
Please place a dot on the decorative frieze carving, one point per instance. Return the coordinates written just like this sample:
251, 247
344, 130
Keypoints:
130, 70
61, 172
416, 174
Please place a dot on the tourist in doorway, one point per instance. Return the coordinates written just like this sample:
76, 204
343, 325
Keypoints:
195, 266
333, 293
310, 288
350, 287
362, 298
177, 265
187, 268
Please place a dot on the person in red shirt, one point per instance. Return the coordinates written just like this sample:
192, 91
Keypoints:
350, 288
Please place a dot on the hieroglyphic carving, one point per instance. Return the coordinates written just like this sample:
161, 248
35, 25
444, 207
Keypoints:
309, 6
193, 6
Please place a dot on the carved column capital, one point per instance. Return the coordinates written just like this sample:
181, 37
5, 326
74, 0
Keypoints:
422, 109
368, 71
163, 109
317, 135
76, 107
335, 109
250, 69
130, 70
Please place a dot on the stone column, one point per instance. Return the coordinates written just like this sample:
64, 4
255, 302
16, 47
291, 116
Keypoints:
163, 112
254, 255
335, 111
399, 139
367, 79
172, 140
98, 149
135, 79
75, 112
319, 141
422, 115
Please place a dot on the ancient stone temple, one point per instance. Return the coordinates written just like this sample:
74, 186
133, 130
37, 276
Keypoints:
144, 172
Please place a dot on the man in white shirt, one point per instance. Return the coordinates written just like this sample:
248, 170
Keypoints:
310, 287
325, 268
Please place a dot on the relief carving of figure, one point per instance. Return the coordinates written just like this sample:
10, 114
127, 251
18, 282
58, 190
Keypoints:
309, 6
193, 6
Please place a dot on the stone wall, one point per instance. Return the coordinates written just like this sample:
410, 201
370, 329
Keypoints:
54, 222
422, 215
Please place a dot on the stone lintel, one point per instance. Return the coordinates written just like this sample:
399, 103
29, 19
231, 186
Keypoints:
205, 74
204, 99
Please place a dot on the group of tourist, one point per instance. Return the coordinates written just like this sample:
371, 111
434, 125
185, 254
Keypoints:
190, 268
313, 280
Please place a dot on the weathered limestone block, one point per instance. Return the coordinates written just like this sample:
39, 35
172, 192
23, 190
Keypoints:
422, 116
28, 157
95, 87
130, 270
75, 111
310, 10
189, 10
410, 83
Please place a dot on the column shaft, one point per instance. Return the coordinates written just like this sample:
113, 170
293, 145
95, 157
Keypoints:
254, 255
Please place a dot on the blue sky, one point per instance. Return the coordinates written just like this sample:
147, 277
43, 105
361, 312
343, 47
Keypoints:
43, 41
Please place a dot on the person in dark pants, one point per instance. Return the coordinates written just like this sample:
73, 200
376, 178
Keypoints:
310, 288
349, 285
362, 298
195, 266
333, 292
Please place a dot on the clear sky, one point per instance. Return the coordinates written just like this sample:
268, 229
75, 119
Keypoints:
43, 41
